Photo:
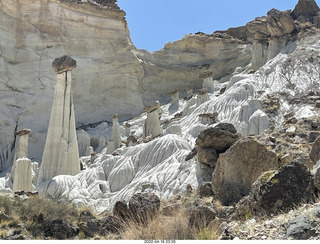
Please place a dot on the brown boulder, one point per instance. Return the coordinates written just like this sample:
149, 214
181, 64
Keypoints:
279, 23
201, 216
205, 189
315, 151
316, 176
144, 207
121, 210
241, 165
63, 64
219, 138
111, 224
307, 8
278, 191
207, 156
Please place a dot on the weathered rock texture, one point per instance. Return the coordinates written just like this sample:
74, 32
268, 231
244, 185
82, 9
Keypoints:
22, 180
112, 75
307, 8
210, 143
61, 155
240, 166
21, 171
276, 191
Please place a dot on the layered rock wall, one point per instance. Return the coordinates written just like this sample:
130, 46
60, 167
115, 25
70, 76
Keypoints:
112, 75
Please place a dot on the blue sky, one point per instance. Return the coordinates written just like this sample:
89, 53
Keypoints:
152, 23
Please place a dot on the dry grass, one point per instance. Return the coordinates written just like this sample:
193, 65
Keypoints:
161, 228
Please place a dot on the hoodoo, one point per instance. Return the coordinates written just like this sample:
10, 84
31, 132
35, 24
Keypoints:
152, 124
115, 142
61, 156
21, 173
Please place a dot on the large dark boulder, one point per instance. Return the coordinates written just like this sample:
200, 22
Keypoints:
219, 138
60, 230
63, 64
315, 151
239, 167
111, 224
201, 216
121, 210
144, 207
278, 191
205, 189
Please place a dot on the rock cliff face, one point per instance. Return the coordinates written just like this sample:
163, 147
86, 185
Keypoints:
112, 75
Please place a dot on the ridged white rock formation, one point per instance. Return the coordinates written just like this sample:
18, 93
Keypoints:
195, 102
61, 156
152, 124
159, 164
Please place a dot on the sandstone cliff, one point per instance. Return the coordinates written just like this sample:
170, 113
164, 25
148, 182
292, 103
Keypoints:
112, 75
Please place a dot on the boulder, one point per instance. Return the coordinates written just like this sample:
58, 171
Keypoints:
201, 216
207, 156
121, 210
205, 189
299, 228
60, 230
315, 151
111, 224
63, 64
89, 228
241, 165
279, 23
228, 194
219, 138
275, 191
85, 216
144, 207
205, 171
307, 8
316, 176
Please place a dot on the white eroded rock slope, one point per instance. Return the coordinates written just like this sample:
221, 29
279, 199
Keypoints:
159, 166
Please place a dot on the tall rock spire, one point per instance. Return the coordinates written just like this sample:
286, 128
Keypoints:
21, 172
61, 156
